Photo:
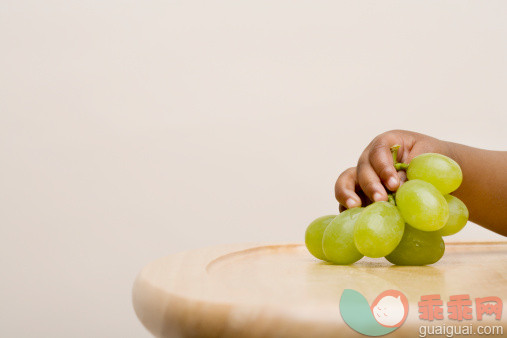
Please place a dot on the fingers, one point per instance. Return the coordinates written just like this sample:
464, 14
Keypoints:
402, 176
365, 201
375, 169
345, 189
381, 160
369, 181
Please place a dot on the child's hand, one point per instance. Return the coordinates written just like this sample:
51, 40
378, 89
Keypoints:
483, 190
360, 185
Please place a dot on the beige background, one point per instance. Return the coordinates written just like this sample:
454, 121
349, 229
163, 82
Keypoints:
131, 130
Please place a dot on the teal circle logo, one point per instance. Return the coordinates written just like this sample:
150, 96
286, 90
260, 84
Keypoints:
387, 312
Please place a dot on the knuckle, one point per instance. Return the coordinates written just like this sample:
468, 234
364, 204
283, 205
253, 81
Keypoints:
389, 136
368, 186
344, 176
347, 172
392, 132
361, 165
378, 146
385, 172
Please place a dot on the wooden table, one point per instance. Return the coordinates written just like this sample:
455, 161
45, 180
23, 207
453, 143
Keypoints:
280, 290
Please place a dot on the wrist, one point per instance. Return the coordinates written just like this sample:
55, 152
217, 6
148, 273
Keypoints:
449, 150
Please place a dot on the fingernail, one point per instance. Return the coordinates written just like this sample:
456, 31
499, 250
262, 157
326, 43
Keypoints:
377, 197
392, 182
351, 203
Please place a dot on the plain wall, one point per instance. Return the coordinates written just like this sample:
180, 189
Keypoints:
130, 130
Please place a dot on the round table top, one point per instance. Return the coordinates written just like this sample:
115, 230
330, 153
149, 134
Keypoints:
280, 290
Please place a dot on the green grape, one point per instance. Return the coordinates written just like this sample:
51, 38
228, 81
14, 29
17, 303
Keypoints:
314, 233
441, 171
418, 248
458, 216
422, 206
378, 229
338, 241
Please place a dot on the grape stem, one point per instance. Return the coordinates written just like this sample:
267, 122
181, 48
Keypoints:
397, 165
390, 199
401, 166
394, 151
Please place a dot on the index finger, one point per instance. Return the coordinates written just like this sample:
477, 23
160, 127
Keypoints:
381, 160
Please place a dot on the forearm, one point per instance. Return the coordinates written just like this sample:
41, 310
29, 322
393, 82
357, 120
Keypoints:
484, 187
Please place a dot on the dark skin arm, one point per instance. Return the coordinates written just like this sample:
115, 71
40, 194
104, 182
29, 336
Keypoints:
483, 190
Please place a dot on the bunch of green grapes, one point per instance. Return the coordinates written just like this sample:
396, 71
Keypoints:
408, 229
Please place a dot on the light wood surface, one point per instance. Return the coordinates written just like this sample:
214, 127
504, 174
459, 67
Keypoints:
280, 290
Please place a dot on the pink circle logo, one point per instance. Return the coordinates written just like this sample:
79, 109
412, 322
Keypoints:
390, 308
